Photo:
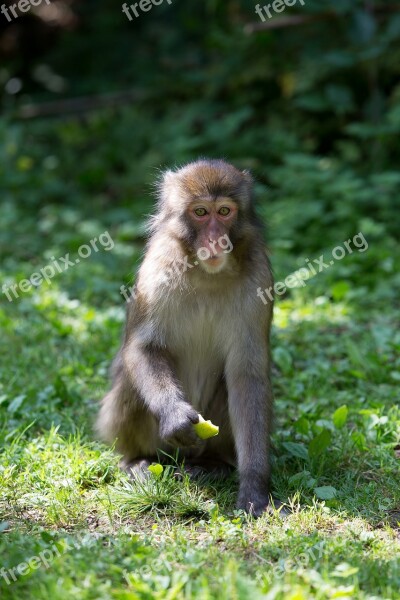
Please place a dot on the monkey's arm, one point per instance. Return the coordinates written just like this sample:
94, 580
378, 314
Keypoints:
150, 371
250, 409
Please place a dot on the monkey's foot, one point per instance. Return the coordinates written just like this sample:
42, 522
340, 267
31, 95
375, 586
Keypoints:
259, 506
203, 467
138, 468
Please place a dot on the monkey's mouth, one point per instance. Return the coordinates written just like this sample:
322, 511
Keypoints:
215, 260
214, 264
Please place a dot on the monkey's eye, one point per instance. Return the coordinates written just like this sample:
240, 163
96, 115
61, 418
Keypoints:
224, 211
200, 212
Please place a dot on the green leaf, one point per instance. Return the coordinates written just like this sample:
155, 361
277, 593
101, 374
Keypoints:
61, 389
339, 290
303, 479
16, 403
325, 492
297, 450
283, 359
340, 416
359, 440
320, 443
47, 537
302, 425
357, 374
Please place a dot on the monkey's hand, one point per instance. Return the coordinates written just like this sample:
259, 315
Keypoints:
176, 425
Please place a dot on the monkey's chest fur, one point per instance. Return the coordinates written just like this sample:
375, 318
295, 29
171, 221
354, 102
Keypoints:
194, 331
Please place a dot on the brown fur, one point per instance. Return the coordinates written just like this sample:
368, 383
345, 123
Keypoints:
199, 344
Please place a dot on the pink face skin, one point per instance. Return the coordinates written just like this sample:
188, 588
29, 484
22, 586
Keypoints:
213, 221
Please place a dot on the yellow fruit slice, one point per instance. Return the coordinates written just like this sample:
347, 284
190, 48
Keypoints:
205, 429
156, 469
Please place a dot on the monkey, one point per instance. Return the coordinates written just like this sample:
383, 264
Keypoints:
197, 338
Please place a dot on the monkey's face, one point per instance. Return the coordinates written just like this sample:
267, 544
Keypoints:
211, 221
207, 206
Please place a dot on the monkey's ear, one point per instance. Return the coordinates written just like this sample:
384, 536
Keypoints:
166, 183
168, 177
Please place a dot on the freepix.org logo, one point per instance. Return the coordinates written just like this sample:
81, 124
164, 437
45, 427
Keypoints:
140, 7
60, 265
22, 6
276, 7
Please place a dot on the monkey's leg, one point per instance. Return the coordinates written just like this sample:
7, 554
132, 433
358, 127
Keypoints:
220, 448
250, 408
216, 457
122, 421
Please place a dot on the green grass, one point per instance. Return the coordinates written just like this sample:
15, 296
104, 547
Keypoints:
336, 459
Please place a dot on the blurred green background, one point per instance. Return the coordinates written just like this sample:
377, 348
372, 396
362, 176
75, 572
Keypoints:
92, 106
312, 108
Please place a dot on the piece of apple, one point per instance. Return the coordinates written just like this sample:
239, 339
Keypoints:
205, 429
156, 469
